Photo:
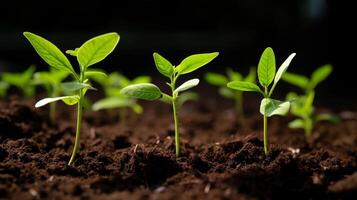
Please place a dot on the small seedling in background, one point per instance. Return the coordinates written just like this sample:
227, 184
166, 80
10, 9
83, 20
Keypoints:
113, 98
51, 81
148, 91
266, 75
221, 81
91, 52
22, 81
302, 105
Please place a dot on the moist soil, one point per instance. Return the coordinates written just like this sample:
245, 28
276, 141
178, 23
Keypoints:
222, 155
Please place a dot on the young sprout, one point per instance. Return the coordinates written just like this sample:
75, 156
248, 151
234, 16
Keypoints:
22, 81
148, 91
221, 81
51, 81
302, 105
90, 53
267, 75
113, 98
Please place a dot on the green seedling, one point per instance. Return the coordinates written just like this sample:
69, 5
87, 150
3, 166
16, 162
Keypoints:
51, 81
90, 53
148, 91
221, 81
266, 76
22, 81
303, 105
113, 98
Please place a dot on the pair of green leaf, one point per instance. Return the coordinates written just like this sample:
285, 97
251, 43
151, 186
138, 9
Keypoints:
22, 81
188, 65
266, 76
304, 82
148, 91
91, 52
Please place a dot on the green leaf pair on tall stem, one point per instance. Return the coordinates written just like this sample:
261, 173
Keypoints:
148, 91
267, 75
90, 53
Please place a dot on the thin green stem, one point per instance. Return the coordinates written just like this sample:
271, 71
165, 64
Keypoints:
79, 123
175, 113
53, 112
177, 134
265, 128
239, 104
266, 148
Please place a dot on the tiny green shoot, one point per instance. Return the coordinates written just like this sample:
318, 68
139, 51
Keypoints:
221, 80
112, 84
90, 53
302, 106
148, 91
51, 81
22, 81
266, 76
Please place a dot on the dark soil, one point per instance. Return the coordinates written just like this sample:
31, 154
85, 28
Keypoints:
221, 158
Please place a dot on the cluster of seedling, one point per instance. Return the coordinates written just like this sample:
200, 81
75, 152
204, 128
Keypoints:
63, 83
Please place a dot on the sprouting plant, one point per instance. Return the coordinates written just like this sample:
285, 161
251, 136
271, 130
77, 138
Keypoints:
113, 98
148, 91
266, 75
51, 81
90, 53
302, 105
22, 81
221, 81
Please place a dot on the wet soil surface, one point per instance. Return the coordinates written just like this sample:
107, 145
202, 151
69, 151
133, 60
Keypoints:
222, 157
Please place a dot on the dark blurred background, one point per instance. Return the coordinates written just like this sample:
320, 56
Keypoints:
319, 31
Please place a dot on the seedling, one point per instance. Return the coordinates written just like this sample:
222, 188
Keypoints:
51, 81
302, 105
221, 81
22, 81
113, 98
90, 53
266, 75
148, 91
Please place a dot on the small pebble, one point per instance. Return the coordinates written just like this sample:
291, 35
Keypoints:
33, 192
160, 189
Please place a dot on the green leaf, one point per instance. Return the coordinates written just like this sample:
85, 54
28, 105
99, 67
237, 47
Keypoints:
141, 79
146, 91
73, 52
187, 85
328, 117
216, 79
50, 53
187, 96
227, 93
296, 79
69, 100
274, 107
3, 88
297, 123
74, 86
234, 76
138, 109
112, 102
94, 73
308, 103
163, 65
266, 67
282, 69
320, 74
252, 75
96, 49
194, 62
244, 86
